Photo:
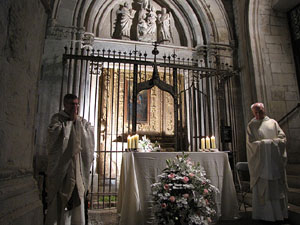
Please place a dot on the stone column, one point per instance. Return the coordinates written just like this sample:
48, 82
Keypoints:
22, 38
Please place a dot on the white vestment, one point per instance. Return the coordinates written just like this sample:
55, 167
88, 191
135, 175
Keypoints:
266, 154
70, 154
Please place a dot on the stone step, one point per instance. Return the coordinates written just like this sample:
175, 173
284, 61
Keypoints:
293, 169
294, 196
293, 210
294, 214
293, 181
294, 157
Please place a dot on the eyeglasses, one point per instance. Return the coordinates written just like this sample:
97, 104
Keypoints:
73, 103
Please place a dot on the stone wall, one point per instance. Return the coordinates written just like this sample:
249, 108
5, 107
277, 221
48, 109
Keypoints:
22, 25
273, 76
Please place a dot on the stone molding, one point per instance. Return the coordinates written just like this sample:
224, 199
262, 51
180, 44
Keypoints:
19, 197
194, 22
257, 45
60, 32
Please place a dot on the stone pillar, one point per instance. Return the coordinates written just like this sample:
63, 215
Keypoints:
267, 66
22, 38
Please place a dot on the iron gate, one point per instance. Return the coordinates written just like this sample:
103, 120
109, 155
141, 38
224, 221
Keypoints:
172, 100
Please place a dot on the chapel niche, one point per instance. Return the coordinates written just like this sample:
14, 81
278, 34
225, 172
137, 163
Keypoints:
145, 21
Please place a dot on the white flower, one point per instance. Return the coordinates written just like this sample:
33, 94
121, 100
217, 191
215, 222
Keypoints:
187, 209
147, 146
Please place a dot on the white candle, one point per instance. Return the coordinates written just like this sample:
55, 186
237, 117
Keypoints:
202, 143
128, 142
133, 141
137, 141
213, 142
207, 142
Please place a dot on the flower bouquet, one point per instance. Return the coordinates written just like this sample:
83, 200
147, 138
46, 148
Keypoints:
183, 195
147, 146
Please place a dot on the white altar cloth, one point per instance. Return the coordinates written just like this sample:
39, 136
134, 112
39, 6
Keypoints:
139, 170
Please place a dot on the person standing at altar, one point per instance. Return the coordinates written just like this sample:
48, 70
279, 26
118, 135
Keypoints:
70, 146
267, 157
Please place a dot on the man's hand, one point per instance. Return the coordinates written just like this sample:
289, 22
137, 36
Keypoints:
267, 141
71, 108
73, 117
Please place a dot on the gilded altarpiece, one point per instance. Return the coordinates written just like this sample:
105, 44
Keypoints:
115, 99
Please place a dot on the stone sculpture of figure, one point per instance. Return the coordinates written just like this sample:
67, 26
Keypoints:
267, 157
163, 22
151, 21
144, 4
142, 26
126, 17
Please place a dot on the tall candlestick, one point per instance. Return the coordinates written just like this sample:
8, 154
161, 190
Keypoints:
213, 142
202, 143
207, 142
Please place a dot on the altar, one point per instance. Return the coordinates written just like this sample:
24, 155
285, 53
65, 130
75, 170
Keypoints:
139, 170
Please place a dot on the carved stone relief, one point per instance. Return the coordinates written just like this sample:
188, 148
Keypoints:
141, 21
88, 40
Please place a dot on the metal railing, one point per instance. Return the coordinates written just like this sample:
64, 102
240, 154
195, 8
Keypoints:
289, 113
194, 98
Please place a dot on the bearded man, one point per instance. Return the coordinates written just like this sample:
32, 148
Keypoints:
267, 157
70, 154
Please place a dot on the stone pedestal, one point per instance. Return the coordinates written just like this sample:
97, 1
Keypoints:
19, 197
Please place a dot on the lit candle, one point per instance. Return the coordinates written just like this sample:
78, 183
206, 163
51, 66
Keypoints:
137, 141
133, 141
202, 143
128, 142
213, 142
207, 142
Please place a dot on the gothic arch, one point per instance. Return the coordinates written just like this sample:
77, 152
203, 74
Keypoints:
257, 45
196, 22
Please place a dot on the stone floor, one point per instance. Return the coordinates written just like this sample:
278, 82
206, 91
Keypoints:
109, 217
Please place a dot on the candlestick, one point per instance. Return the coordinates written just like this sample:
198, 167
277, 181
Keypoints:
213, 142
207, 142
202, 143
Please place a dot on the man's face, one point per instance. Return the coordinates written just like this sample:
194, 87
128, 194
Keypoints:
258, 112
71, 106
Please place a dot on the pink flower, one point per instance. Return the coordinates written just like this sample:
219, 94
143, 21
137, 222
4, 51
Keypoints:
205, 191
171, 176
166, 187
185, 179
189, 161
163, 205
191, 175
186, 195
172, 199
209, 219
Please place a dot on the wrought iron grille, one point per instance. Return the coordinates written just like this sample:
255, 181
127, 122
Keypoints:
172, 100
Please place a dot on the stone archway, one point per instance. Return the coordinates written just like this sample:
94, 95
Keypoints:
196, 22
198, 27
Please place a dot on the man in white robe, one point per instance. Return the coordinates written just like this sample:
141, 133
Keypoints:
266, 154
70, 154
